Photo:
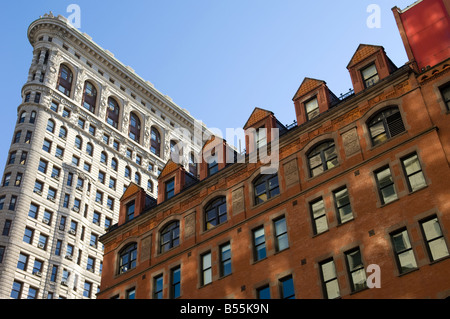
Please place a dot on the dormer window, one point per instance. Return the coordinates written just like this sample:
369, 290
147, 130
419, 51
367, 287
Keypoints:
170, 189
312, 109
261, 137
213, 165
370, 75
130, 211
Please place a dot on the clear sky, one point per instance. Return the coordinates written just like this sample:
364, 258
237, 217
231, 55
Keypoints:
219, 59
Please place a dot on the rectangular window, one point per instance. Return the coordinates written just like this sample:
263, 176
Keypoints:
263, 292
12, 203
356, 270
16, 291
259, 243
22, 263
175, 288
312, 109
342, 204
287, 288
130, 210
329, 279
28, 236
404, 254
445, 91
33, 211
225, 259
87, 289
386, 187
47, 146
206, 268
170, 189
370, 75
434, 238
281, 237
319, 217
6, 227
158, 285
413, 172
261, 137
6, 179
131, 293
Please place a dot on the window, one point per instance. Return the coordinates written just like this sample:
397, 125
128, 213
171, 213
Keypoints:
281, 237
23, 158
192, 165
206, 268
59, 153
263, 292
216, 213
110, 203
54, 106
63, 132
99, 197
6, 227
137, 178
155, 142
170, 237
33, 117
225, 259
38, 187
12, 203
158, 285
356, 271
266, 187
386, 187
445, 91
404, 254
51, 126
130, 211
89, 149
2, 201
114, 164
385, 125
18, 179
175, 285
6, 179
16, 291
65, 80
287, 288
22, 262
170, 189
78, 142
112, 113
37, 97
322, 158
28, 137
23, 115
127, 172
131, 293
312, 109
47, 146
259, 243
342, 204
434, 238
17, 137
28, 236
370, 75
135, 128
413, 172
89, 97
87, 289
103, 158
33, 211
319, 217
127, 258
12, 158
66, 113
329, 279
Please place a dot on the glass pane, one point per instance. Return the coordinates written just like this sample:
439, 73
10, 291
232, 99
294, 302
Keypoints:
401, 242
438, 248
354, 260
345, 213
389, 194
206, 261
328, 271
342, 198
376, 129
432, 229
407, 261
369, 71
316, 171
318, 208
283, 242
261, 252
333, 289
412, 165
311, 105
384, 177
288, 289
359, 279
315, 161
207, 276
321, 225
260, 189
273, 182
264, 293
226, 252
330, 153
417, 181
259, 236
280, 226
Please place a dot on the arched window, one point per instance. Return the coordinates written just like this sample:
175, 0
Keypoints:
135, 128
104, 158
89, 97
65, 80
155, 143
114, 164
51, 126
170, 236
175, 151
266, 186
127, 172
89, 149
137, 178
78, 142
385, 124
23, 115
322, 158
63, 132
127, 258
33, 117
215, 212
112, 113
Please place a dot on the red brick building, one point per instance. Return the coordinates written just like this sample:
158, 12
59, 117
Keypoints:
359, 207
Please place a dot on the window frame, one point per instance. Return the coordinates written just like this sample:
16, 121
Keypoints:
320, 150
427, 240
171, 229
380, 188
214, 206
265, 179
408, 176
393, 124
130, 251
397, 253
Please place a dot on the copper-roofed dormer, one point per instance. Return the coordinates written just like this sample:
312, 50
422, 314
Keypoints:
368, 66
216, 154
312, 98
172, 180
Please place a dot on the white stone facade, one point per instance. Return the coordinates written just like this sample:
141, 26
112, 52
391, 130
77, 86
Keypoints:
49, 236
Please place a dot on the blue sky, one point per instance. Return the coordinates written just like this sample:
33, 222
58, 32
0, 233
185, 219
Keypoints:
217, 58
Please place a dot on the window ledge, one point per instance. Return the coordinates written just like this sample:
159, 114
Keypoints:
408, 272
439, 260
